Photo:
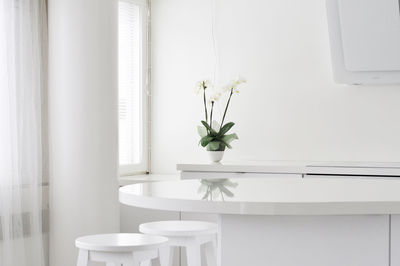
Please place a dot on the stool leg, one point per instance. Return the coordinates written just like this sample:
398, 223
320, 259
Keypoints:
153, 262
156, 262
193, 255
211, 253
132, 261
83, 258
135, 263
166, 256
146, 263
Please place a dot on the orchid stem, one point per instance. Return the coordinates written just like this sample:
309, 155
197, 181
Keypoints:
205, 103
226, 109
211, 114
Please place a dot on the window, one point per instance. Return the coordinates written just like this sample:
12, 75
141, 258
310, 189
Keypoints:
132, 83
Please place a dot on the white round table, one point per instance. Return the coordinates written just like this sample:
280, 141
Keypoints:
270, 196
289, 221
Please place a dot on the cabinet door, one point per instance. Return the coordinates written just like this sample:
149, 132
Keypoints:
395, 240
305, 240
370, 34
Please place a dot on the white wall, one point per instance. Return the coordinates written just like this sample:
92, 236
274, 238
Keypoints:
289, 110
82, 123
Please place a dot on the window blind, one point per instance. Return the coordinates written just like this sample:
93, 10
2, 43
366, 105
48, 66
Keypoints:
130, 85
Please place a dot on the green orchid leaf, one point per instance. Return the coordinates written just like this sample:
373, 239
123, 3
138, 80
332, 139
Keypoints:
205, 140
202, 131
226, 191
206, 195
226, 128
202, 189
213, 146
212, 131
205, 182
215, 193
229, 138
229, 183
226, 144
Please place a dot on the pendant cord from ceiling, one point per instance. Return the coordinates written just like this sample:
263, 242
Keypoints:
214, 41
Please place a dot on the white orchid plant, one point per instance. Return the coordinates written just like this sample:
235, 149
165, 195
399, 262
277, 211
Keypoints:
213, 188
214, 135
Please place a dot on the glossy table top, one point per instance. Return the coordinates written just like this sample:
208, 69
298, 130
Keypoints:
269, 196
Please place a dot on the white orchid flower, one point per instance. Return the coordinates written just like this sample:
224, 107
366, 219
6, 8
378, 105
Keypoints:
234, 85
207, 83
226, 88
202, 85
199, 87
215, 97
240, 80
231, 86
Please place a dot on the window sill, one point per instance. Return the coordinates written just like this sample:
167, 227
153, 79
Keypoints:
134, 179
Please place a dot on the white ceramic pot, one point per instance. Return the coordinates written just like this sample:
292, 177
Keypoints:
215, 156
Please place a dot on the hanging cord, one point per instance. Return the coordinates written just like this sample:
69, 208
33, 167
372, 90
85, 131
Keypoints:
215, 48
214, 40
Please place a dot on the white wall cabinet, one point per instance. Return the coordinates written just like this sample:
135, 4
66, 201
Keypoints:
395, 240
365, 36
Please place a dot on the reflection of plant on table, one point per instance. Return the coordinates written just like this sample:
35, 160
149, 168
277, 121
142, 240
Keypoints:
214, 135
213, 188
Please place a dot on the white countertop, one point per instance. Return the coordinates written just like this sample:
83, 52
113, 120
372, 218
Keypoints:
143, 178
295, 167
272, 196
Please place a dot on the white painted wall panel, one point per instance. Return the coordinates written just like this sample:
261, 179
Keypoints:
291, 109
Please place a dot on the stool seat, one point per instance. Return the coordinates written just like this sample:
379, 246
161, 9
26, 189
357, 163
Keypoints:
190, 235
120, 242
179, 228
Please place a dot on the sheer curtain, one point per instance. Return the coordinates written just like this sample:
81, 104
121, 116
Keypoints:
22, 84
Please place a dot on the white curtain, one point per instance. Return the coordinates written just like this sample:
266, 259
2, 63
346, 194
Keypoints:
22, 86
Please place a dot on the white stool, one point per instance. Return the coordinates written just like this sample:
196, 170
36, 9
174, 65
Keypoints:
188, 234
117, 249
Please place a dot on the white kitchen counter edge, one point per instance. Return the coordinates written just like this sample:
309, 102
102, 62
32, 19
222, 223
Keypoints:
258, 208
142, 178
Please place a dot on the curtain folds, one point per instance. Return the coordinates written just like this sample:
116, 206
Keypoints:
23, 185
